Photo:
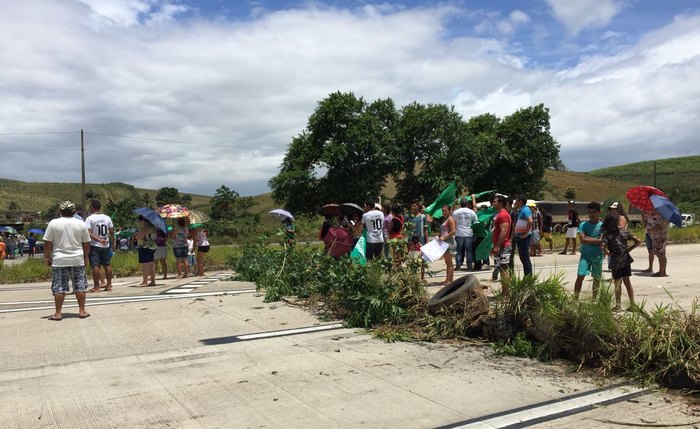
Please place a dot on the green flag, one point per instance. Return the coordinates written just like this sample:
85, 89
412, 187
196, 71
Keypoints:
479, 195
358, 254
484, 248
447, 197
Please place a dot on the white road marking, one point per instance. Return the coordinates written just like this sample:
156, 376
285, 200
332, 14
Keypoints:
121, 300
563, 406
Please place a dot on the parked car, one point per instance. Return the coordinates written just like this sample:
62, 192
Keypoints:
687, 219
38, 247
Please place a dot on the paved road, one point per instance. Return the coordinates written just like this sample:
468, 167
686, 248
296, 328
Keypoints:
211, 354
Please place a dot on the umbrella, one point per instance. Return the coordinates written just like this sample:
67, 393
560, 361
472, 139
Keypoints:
639, 197
173, 211
152, 217
330, 210
36, 231
197, 217
337, 242
282, 213
8, 229
667, 209
350, 209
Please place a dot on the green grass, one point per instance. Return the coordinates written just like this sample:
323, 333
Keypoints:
124, 264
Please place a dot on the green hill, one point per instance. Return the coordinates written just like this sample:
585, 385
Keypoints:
678, 177
38, 196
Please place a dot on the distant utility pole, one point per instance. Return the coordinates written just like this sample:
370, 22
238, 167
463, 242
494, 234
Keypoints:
82, 169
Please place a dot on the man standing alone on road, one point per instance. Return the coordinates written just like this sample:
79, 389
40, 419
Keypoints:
101, 232
66, 249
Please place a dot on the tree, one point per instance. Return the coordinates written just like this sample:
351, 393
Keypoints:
223, 204
430, 153
570, 193
14, 207
90, 195
342, 156
167, 196
121, 212
146, 198
186, 199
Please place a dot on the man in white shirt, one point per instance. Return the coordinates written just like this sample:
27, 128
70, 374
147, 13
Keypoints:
464, 218
373, 222
66, 249
102, 243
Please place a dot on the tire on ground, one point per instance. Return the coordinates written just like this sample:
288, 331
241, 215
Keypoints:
558, 229
464, 286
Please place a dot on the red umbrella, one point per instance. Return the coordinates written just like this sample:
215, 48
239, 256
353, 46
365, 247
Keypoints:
639, 197
337, 242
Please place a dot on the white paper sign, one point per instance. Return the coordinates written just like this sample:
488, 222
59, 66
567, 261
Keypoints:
434, 250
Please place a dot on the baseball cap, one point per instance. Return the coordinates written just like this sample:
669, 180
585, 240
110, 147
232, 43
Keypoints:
67, 205
615, 205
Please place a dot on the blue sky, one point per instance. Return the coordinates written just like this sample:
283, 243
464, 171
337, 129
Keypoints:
199, 94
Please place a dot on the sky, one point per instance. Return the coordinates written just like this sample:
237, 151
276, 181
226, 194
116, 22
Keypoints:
199, 94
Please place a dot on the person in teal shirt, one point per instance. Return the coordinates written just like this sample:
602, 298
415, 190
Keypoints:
591, 261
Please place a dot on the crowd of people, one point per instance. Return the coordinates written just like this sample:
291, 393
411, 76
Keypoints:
514, 225
71, 243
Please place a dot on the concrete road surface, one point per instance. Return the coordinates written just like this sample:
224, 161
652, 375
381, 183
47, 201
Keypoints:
209, 353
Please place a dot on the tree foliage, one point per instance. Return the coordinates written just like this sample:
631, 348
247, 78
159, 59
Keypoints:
350, 147
223, 204
167, 195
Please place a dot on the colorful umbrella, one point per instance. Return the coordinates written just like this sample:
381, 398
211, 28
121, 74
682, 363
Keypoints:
667, 209
330, 210
198, 217
282, 213
639, 197
173, 211
8, 229
153, 217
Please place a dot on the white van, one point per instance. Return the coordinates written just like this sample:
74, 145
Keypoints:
687, 219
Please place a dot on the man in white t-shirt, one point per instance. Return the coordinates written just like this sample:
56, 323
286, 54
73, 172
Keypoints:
102, 244
66, 249
373, 222
464, 219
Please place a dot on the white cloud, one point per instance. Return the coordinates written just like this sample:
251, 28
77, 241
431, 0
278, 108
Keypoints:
580, 14
241, 90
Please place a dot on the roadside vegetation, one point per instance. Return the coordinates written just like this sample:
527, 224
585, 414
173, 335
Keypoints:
540, 319
124, 264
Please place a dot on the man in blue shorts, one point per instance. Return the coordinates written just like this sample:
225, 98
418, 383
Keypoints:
66, 250
591, 261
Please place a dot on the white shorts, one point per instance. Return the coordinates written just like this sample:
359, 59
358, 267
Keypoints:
571, 232
161, 253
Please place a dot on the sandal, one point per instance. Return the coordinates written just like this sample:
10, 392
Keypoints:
54, 318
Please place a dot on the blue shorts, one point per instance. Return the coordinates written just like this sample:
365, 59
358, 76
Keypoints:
180, 252
146, 255
60, 276
591, 264
647, 241
100, 256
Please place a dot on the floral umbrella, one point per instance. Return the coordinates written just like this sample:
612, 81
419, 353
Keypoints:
639, 197
197, 217
173, 211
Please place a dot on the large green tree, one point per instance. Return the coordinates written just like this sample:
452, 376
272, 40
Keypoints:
342, 156
223, 203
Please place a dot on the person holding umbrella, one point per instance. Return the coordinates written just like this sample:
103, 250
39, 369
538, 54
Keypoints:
658, 233
146, 238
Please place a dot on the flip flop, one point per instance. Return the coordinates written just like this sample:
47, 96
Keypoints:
84, 316
54, 318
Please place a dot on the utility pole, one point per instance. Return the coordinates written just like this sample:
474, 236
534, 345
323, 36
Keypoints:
82, 169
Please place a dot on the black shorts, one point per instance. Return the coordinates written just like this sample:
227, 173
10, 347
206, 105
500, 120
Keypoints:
373, 250
203, 249
180, 252
146, 255
621, 272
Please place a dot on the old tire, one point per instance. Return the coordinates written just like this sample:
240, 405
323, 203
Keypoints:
464, 286
558, 229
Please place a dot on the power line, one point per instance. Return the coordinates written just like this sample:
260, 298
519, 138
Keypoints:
45, 133
179, 141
